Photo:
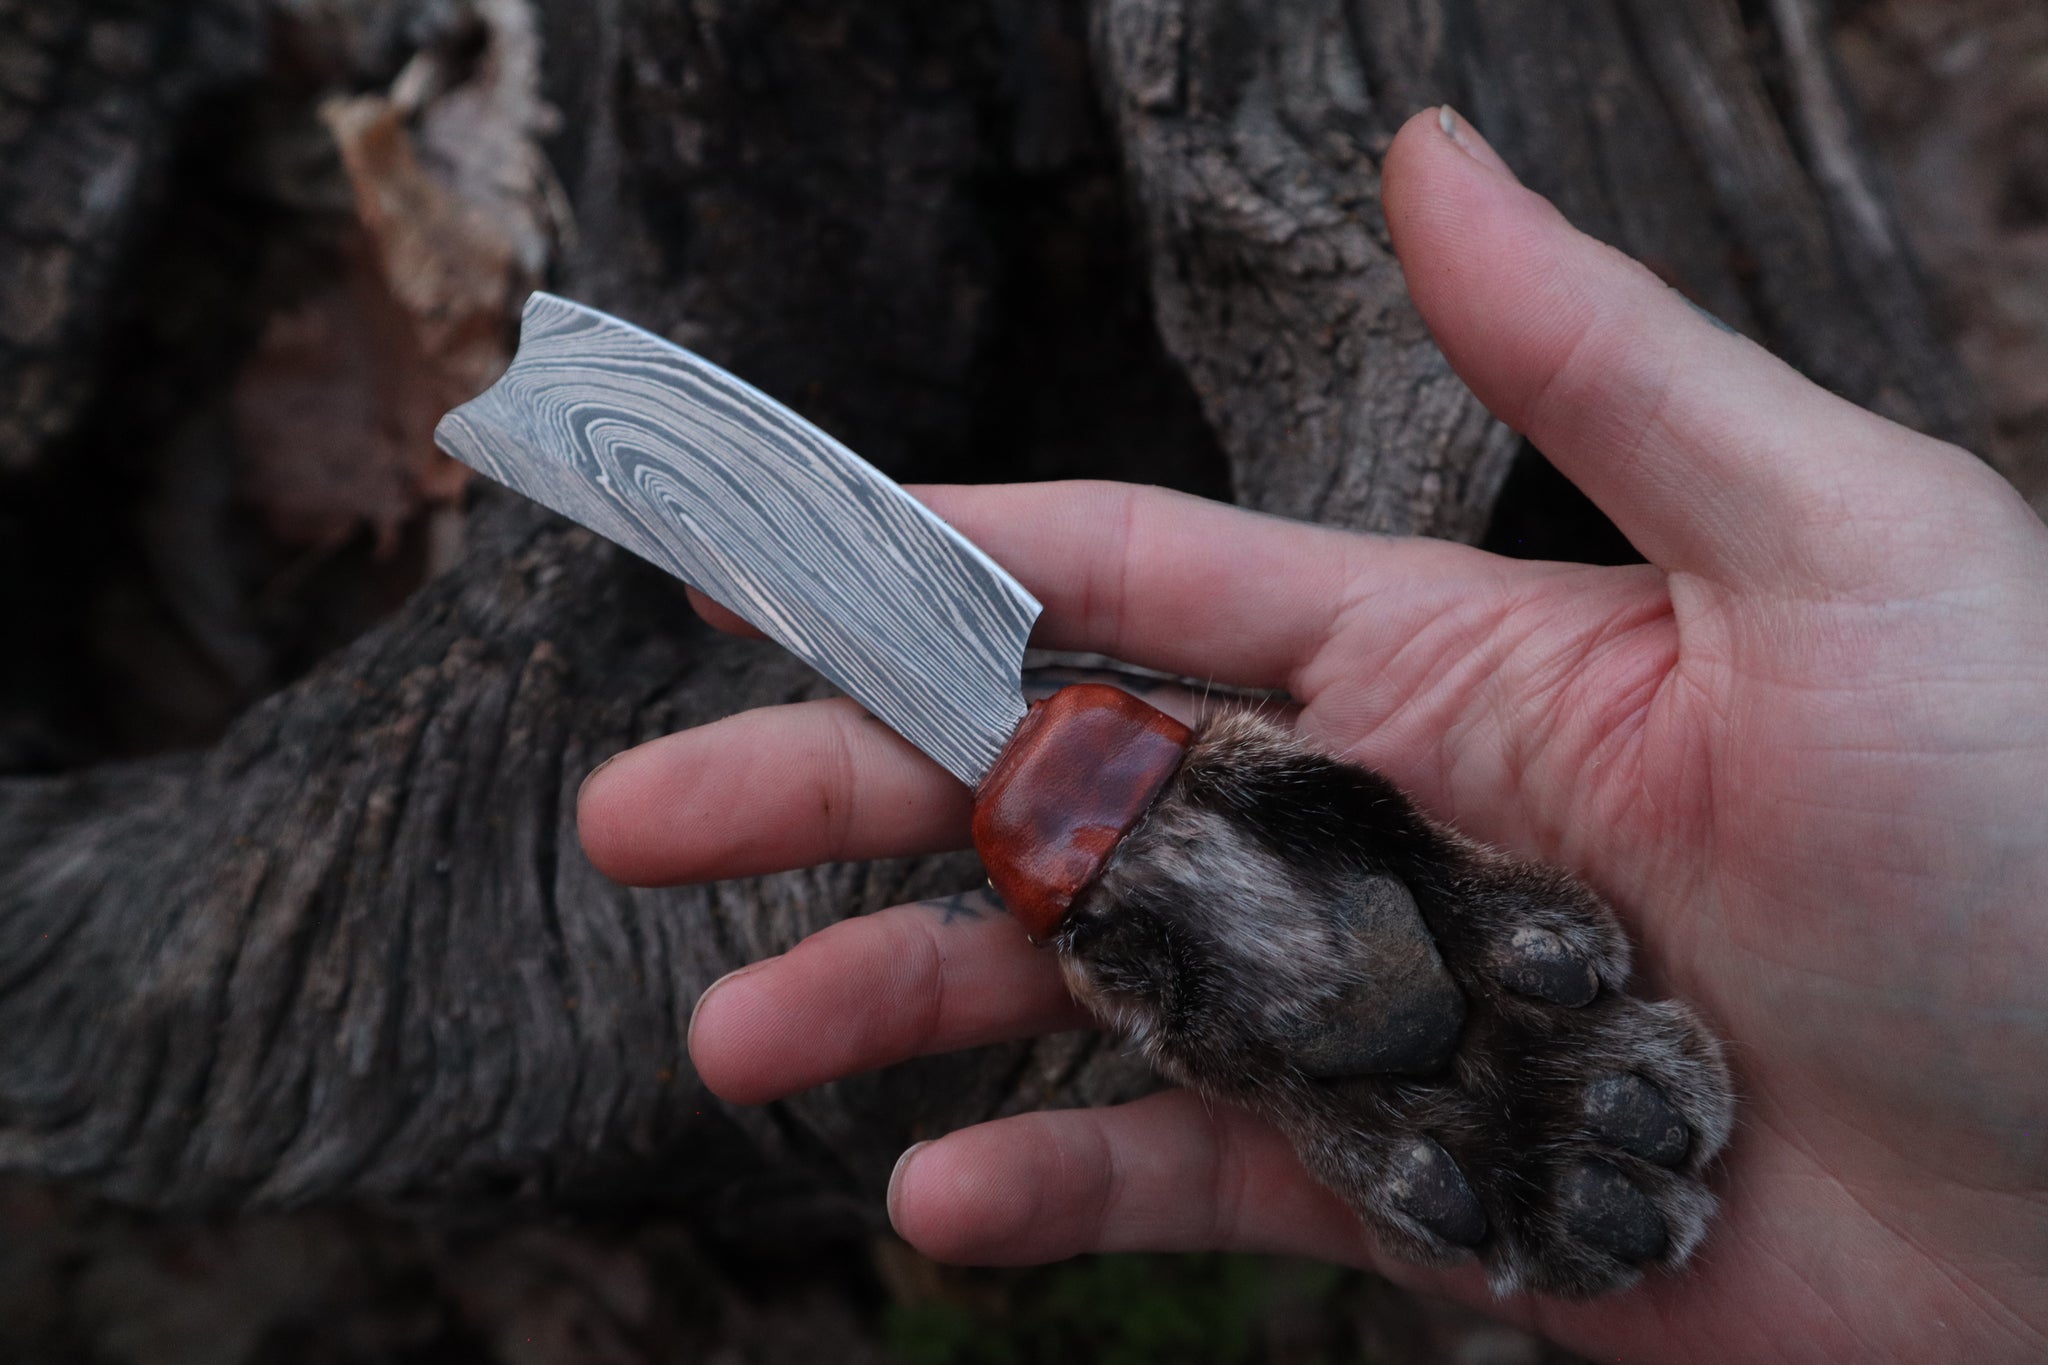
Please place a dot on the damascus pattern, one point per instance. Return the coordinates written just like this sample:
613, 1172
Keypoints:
705, 476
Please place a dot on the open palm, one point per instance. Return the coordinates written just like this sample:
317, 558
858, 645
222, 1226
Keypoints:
1804, 750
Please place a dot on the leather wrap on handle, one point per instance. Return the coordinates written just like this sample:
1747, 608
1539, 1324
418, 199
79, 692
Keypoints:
1079, 773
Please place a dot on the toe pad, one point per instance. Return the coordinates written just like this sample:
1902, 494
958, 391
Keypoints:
1540, 964
1605, 1211
1634, 1115
1428, 1186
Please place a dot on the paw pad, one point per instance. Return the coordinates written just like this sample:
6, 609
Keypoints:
1628, 1112
1426, 1184
1607, 1212
1542, 965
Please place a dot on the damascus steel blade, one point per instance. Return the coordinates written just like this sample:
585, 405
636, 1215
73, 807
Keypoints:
707, 477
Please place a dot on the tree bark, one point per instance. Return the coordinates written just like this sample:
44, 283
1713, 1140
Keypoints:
353, 949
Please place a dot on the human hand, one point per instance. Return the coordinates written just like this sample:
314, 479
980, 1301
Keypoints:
1802, 751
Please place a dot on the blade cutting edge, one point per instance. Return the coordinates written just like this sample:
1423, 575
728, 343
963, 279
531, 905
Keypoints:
701, 474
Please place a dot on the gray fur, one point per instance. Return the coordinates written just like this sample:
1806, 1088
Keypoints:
1286, 932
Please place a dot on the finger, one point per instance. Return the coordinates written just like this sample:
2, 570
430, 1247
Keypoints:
721, 617
779, 787
1711, 455
935, 976
1179, 583
1173, 1173
1194, 587
790, 786
1166, 1173
1185, 585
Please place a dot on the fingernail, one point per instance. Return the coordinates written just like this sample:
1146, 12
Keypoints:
1467, 140
896, 1180
698, 1008
1709, 316
592, 774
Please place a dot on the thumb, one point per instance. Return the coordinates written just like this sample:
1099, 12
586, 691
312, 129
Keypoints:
1711, 455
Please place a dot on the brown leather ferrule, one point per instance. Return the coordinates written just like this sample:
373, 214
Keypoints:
1078, 774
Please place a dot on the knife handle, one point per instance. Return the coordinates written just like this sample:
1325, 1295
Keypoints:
1081, 770
1443, 1031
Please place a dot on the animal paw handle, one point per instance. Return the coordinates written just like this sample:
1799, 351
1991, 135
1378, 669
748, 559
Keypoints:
1442, 1030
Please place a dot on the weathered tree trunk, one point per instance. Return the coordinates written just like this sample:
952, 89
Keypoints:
353, 949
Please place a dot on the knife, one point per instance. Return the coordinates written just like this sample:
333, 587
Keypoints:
1441, 1029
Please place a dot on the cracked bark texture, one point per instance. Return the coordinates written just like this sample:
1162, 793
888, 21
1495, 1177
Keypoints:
91, 100
352, 950
1722, 154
